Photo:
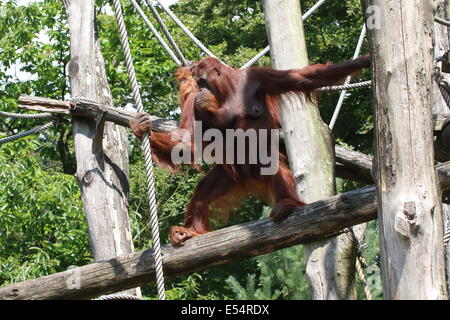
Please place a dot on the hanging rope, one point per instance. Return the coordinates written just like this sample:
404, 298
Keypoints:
147, 153
360, 262
185, 30
267, 49
27, 133
156, 33
166, 32
349, 78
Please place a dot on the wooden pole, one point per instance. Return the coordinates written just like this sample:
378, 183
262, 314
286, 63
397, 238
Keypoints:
330, 264
410, 212
101, 148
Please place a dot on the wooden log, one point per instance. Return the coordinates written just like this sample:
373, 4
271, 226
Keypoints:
410, 211
353, 165
45, 104
315, 221
312, 222
330, 264
116, 115
101, 149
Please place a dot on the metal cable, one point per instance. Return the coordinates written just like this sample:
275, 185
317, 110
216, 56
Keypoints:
147, 153
156, 33
349, 78
166, 32
185, 30
26, 116
27, 133
305, 16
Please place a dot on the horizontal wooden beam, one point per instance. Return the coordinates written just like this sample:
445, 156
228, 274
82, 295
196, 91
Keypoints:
65, 108
353, 165
315, 221
357, 166
350, 164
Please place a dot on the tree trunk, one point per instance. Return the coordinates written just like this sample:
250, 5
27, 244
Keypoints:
409, 207
330, 266
101, 152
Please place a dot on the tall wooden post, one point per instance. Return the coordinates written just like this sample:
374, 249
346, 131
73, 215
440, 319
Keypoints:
101, 148
331, 263
409, 207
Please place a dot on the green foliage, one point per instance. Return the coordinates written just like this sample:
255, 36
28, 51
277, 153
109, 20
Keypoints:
281, 275
34, 51
42, 227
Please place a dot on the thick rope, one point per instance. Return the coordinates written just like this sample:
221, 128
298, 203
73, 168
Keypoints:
447, 233
350, 86
360, 262
118, 296
305, 16
27, 133
444, 88
167, 33
442, 21
26, 116
185, 30
362, 278
349, 78
147, 153
156, 33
